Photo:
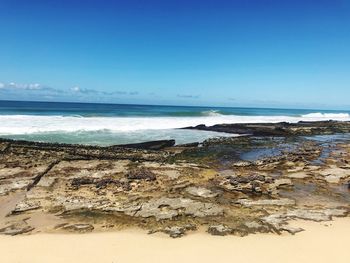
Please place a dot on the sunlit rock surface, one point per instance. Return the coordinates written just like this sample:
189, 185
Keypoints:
229, 186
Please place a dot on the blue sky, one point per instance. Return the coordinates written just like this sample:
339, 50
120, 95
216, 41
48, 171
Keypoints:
223, 53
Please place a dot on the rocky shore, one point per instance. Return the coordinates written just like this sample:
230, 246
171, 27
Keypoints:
280, 129
228, 186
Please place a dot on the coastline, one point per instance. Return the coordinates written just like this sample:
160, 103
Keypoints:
174, 132
319, 243
227, 186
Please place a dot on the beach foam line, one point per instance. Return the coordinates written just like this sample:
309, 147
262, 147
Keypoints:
27, 124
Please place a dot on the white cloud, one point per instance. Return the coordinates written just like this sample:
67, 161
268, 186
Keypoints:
76, 89
30, 86
34, 86
37, 90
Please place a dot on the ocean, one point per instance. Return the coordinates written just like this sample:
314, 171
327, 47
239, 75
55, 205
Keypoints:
110, 124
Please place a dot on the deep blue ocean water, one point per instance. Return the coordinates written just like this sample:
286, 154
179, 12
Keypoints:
127, 110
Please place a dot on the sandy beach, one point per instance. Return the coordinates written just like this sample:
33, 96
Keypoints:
321, 242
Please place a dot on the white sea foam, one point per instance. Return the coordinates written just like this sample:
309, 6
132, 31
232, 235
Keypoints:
105, 137
330, 116
211, 113
27, 124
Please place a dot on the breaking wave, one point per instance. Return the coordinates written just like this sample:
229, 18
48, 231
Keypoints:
211, 113
27, 124
330, 116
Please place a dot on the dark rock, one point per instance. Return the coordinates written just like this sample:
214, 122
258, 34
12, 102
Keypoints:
80, 228
239, 180
255, 177
99, 183
220, 230
246, 179
280, 129
103, 183
188, 145
87, 152
77, 182
141, 174
152, 145
176, 231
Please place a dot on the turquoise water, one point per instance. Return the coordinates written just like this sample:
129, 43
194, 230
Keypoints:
107, 124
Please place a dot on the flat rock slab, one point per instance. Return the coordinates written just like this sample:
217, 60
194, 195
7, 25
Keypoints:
167, 208
267, 202
25, 206
279, 220
298, 175
16, 229
335, 174
8, 186
201, 192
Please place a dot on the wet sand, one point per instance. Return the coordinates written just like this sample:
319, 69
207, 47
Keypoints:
321, 242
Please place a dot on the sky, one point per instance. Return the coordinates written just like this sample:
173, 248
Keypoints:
256, 53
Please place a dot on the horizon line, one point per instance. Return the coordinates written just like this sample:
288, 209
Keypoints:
167, 105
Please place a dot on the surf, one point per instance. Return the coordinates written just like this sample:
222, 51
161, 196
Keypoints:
26, 124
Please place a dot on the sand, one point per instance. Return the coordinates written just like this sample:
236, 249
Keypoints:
319, 243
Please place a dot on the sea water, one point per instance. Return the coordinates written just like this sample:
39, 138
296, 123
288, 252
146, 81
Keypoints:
109, 124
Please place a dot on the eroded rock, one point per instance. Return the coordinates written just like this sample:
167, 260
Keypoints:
79, 228
167, 208
16, 229
267, 202
201, 192
169, 189
13, 185
280, 220
141, 174
176, 231
220, 230
26, 205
